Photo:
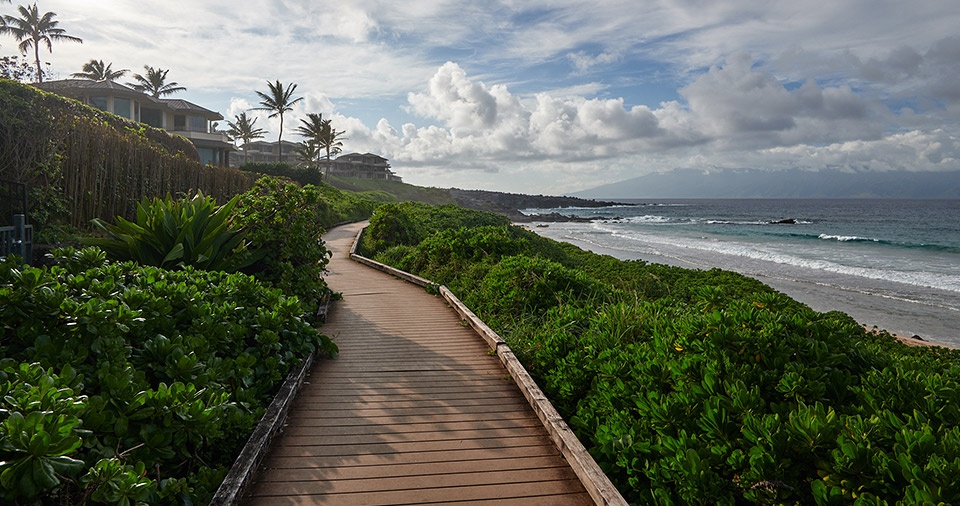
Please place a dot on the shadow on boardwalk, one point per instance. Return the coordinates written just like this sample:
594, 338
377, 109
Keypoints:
415, 410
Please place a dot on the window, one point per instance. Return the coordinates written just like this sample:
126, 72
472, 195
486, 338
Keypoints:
179, 122
152, 117
99, 102
121, 107
198, 124
207, 156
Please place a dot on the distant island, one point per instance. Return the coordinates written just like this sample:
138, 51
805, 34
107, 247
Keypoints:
796, 183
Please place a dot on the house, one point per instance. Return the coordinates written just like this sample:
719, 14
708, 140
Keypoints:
175, 115
265, 152
363, 166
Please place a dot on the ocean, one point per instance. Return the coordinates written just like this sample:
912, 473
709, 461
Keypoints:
893, 264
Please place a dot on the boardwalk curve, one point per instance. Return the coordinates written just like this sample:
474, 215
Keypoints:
415, 410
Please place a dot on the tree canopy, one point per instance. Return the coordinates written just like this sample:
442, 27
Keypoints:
154, 82
33, 29
96, 70
278, 100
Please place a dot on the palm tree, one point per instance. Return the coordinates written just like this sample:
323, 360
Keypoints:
244, 130
154, 82
96, 70
331, 141
312, 129
33, 29
310, 153
278, 101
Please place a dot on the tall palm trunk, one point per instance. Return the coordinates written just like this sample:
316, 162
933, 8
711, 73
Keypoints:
36, 55
280, 139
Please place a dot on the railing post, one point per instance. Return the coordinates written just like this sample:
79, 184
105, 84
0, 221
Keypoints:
23, 238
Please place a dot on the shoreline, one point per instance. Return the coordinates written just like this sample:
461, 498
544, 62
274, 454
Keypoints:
817, 297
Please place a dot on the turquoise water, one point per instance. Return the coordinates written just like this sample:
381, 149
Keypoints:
892, 263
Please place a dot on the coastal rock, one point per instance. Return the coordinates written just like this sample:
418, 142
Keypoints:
509, 204
788, 221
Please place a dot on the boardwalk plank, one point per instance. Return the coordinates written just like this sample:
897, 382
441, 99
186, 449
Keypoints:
415, 410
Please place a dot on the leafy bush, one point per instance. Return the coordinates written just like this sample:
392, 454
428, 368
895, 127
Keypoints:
700, 387
286, 222
172, 233
408, 223
113, 369
302, 175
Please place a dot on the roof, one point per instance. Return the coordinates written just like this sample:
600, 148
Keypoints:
70, 87
75, 87
354, 155
178, 104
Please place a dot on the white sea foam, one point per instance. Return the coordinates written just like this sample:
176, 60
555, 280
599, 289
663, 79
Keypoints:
775, 254
847, 238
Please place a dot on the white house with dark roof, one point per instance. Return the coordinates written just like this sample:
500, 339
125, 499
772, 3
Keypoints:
363, 166
172, 114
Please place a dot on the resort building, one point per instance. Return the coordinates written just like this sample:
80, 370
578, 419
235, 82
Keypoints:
365, 166
174, 115
265, 152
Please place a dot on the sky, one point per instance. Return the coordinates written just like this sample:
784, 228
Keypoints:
556, 96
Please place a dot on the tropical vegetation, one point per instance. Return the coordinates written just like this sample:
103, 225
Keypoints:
698, 387
136, 372
153, 82
33, 29
244, 129
51, 143
130, 384
278, 100
312, 129
96, 70
172, 234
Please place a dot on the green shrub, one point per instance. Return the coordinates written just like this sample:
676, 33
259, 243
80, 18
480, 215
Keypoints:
172, 233
302, 175
408, 223
286, 222
110, 369
700, 387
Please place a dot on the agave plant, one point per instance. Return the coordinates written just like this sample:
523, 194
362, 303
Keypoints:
172, 233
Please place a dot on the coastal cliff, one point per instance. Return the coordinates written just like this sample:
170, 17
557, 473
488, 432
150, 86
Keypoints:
510, 204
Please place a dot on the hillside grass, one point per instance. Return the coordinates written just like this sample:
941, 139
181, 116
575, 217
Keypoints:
391, 191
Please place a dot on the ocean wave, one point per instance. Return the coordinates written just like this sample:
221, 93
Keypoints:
650, 218
850, 238
939, 281
732, 222
536, 211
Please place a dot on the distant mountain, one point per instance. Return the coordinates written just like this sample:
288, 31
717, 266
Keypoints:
753, 183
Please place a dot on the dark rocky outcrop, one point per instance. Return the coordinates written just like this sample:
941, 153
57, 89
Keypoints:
509, 204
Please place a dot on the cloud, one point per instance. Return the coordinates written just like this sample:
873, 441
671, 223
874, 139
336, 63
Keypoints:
741, 106
911, 151
583, 61
548, 93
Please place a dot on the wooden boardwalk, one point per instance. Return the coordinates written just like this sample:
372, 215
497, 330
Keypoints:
415, 410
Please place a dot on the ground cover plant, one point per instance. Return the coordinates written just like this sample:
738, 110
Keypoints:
698, 387
122, 383
126, 382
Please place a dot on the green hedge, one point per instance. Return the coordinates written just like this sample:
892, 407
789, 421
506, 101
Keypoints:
82, 163
699, 387
122, 382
